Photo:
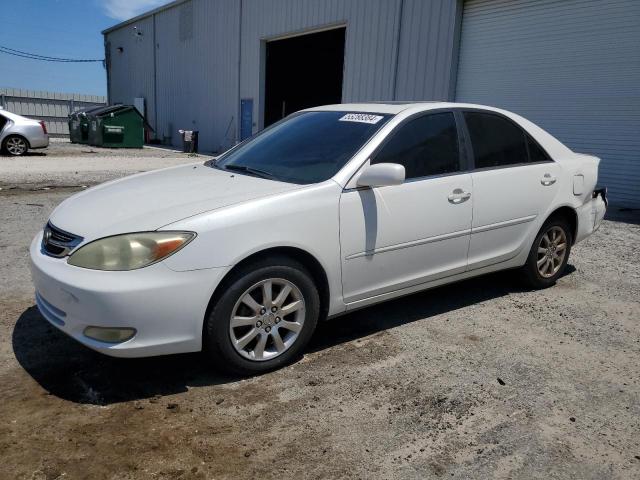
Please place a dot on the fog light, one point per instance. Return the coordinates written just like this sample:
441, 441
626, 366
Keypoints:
109, 335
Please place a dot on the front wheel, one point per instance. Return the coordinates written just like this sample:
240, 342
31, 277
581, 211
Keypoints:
15, 146
264, 317
549, 254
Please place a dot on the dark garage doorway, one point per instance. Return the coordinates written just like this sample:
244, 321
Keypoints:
302, 72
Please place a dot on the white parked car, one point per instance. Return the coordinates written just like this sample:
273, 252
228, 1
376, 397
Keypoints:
332, 209
18, 134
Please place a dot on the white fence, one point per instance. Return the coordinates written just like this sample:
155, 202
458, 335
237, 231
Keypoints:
54, 108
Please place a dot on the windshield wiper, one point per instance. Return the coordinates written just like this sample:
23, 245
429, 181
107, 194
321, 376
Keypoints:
253, 171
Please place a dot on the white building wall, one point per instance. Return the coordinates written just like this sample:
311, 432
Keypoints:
197, 71
202, 75
130, 72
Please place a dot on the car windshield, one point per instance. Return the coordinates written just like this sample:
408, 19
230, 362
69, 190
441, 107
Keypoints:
309, 147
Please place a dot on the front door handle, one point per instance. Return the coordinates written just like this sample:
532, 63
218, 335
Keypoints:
459, 196
548, 179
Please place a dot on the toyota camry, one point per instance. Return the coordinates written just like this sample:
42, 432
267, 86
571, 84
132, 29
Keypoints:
333, 208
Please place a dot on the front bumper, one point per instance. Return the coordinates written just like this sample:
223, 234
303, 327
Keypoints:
166, 308
590, 215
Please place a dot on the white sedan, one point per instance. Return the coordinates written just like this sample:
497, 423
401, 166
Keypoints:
332, 209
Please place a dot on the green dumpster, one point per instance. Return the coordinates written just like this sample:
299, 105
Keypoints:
79, 124
117, 126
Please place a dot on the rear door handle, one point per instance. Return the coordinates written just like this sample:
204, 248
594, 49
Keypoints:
459, 196
548, 179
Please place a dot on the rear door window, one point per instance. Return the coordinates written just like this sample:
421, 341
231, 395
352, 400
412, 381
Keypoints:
425, 146
496, 141
3, 121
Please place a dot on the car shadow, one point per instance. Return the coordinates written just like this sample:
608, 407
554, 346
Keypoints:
70, 371
28, 153
418, 306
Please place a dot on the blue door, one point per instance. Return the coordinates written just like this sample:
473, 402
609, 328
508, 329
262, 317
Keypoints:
246, 118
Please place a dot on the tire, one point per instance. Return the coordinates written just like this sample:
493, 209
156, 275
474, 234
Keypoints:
293, 323
15, 145
543, 269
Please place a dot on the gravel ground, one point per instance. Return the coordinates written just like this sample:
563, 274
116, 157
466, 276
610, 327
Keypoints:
65, 164
481, 379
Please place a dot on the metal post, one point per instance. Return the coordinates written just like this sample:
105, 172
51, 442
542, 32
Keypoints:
155, 81
394, 89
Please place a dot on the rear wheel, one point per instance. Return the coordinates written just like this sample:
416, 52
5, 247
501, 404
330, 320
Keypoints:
15, 145
549, 254
264, 317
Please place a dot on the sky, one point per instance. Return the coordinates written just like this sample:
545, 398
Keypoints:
60, 28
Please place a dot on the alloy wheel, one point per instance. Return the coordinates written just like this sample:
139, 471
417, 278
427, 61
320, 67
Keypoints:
552, 250
267, 319
16, 146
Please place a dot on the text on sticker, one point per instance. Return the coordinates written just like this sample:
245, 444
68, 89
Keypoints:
361, 117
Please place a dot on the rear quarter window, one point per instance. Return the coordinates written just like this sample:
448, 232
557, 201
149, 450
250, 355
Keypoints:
536, 153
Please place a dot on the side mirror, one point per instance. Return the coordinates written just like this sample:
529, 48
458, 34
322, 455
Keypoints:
381, 175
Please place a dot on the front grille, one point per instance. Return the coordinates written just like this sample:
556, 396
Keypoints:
58, 243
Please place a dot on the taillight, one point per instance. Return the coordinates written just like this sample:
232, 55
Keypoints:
44, 126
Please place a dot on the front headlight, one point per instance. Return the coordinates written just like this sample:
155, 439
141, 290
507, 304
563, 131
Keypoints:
130, 251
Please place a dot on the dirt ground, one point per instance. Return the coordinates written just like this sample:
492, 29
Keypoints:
480, 379
64, 164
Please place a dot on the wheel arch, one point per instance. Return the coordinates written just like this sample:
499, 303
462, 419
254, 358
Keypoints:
9, 135
570, 215
309, 261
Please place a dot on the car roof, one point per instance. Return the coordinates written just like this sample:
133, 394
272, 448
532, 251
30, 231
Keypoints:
553, 146
396, 107
392, 108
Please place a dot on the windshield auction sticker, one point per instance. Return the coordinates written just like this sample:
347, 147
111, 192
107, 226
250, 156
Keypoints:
361, 118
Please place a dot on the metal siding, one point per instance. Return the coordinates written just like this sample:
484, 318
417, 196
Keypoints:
197, 75
370, 43
131, 72
52, 107
572, 66
198, 82
426, 49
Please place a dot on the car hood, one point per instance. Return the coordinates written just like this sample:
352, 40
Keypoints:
148, 201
